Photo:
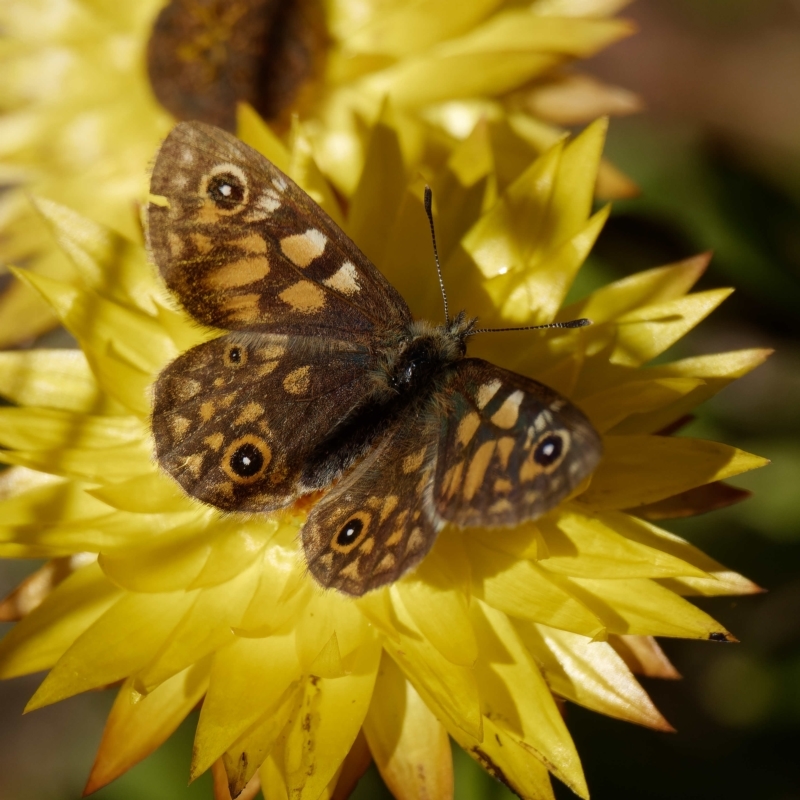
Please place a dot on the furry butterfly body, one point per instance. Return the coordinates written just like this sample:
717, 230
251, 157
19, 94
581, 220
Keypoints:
325, 382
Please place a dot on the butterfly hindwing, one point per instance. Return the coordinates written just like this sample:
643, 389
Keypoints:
377, 522
238, 420
510, 448
244, 248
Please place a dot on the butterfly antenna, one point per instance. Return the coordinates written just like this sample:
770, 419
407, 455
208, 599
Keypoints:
429, 212
573, 323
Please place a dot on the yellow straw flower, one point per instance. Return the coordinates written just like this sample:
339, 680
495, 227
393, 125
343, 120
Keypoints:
300, 687
81, 119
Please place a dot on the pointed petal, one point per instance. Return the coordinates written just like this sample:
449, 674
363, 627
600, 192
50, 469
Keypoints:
40, 639
531, 715
120, 642
644, 656
409, 745
238, 696
523, 589
637, 470
329, 719
590, 674
137, 725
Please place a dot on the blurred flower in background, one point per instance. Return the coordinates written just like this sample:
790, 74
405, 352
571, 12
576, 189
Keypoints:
301, 688
90, 88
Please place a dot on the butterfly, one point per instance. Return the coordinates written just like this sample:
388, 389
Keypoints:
324, 381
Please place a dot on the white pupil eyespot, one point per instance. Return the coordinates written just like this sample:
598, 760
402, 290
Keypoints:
548, 449
246, 460
225, 189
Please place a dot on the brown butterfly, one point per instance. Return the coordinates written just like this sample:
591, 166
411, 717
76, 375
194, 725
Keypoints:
326, 382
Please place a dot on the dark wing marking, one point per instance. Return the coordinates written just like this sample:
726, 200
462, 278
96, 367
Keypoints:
510, 448
244, 248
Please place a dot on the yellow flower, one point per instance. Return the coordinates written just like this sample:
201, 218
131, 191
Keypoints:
80, 119
300, 686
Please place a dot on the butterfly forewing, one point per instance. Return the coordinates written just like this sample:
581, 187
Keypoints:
244, 248
510, 448
237, 420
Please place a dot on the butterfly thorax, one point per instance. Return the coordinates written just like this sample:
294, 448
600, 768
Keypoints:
409, 360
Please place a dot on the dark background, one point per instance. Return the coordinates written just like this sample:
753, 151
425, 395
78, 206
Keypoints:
717, 156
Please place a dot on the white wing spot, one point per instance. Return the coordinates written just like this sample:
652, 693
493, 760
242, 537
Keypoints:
487, 392
280, 184
268, 202
344, 280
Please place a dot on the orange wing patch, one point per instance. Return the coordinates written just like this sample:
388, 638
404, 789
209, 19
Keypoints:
302, 248
239, 273
303, 296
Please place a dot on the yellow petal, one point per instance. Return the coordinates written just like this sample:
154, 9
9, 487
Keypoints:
717, 580
137, 725
252, 130
120, 642
327, 723
637, 470
441, 612
451, 691
720, 583
409, 745
41, 638
167, 563
716, 371
58, 500
493, 58
239, 697
644, 656
402, 28
49, 428
505, 757
608, 408
643, 607
650, 287
243, 758
106, 262
95, 322
150, 493
382, 185
522, 589
590, 674
584, 546
53, 379
532, 715
205, 628
647, 332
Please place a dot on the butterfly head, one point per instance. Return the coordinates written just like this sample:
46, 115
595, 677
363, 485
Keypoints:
424, 349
